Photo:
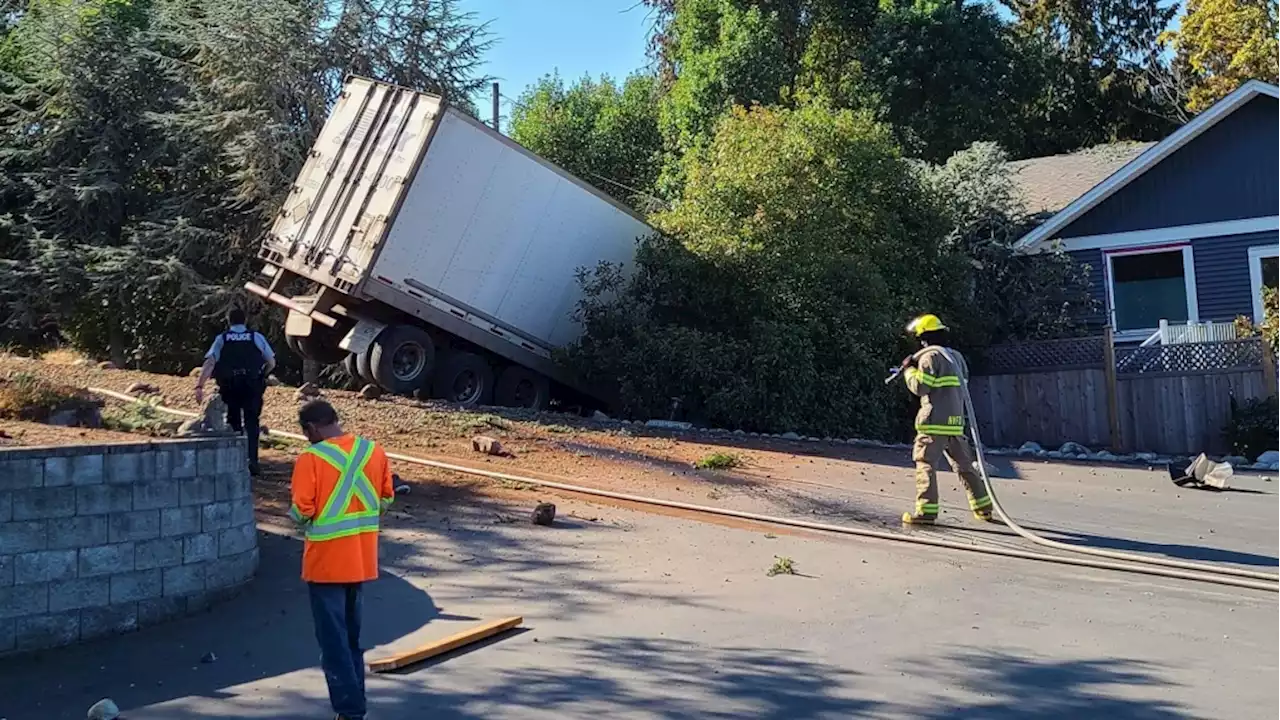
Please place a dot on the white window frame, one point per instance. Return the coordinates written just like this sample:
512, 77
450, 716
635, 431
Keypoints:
1255, 275
1188, 276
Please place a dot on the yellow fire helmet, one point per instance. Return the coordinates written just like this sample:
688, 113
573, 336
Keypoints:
924, 324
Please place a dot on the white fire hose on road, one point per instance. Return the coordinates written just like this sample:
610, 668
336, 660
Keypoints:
1138, 563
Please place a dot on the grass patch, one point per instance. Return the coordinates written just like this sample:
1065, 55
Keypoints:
471, 424
558, 429
719, 461
63, 356
516, 485
24, 396
139, 416
277, 442
782, 565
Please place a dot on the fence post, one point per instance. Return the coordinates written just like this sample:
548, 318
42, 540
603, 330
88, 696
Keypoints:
1268, 368
1113, 401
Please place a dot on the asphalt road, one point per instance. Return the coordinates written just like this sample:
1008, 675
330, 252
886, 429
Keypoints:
631, 614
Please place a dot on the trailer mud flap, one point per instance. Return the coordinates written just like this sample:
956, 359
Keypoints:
297, 324
358, 340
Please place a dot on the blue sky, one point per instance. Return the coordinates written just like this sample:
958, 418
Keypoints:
536, 37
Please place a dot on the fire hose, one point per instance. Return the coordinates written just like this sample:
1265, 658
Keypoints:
1135, 563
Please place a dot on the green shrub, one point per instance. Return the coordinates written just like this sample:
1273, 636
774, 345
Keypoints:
718, 461
26, 397
1253, 427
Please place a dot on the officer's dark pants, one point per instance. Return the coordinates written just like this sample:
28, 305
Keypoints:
336, 611
244, 410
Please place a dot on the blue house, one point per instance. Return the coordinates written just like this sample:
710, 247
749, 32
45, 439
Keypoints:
1184, 230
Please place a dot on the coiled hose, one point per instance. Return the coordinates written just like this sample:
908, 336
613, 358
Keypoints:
1213, 575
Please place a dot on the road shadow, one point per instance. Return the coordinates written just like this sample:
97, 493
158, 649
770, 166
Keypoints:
265, 631
608, 677
1010, 686
1173, 550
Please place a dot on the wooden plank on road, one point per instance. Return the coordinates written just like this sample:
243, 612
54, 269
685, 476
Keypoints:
444, 645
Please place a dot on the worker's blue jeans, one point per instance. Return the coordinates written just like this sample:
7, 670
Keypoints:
336, 610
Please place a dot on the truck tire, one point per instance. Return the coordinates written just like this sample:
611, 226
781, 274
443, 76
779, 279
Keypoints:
316, 347
465, 379
402, 359
291, 341
349, 366
520, 387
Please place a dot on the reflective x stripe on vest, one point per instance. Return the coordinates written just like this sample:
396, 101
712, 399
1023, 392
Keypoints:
335, 520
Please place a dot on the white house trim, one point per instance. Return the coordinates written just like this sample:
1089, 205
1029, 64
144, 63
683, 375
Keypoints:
1255, 275
1146, 161
1170, 234
1188, 278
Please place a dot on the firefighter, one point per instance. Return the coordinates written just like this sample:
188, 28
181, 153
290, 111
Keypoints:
340, 487
239, 361
933, 374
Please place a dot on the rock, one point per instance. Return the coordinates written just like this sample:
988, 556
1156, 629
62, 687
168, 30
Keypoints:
486, 445
142, 388
1105, 456
1269, 457
1146, 456
212, 420
62, 418
1055, 454
1073, 448
81, 362
789, 436
599, 416
80, 415
1274, 466
309, 390
739, 432
107, 365
195, 372
1236, 460
104, 709
668, 424
368, 392
1030, 448
273, 381
544, 514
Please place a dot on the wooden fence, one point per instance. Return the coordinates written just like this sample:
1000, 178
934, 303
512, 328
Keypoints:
1170, 399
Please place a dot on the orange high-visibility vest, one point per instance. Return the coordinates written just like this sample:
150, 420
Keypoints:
340, 488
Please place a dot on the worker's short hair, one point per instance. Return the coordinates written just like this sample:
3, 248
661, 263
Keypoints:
235, 316
318, 413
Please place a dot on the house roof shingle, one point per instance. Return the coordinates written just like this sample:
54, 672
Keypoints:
1049, 184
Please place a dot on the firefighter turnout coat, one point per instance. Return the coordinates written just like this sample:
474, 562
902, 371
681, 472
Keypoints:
936, 381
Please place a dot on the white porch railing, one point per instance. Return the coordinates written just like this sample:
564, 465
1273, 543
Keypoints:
1191, 333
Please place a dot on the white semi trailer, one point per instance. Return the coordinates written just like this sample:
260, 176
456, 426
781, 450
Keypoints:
434, 256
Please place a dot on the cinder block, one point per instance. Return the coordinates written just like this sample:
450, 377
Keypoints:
110, 620
19, 537
200, 548
106, 560
182, 463
123, 468
180, 521
199, 490
73, 470
232, 485
216, 516
44, 566
6, 571
242, 511
207, 461
77, 594
44, 503
158, 610
232, 570
136, 525
47, 631
232, 459
184, 580
162, 458
6, 506
21, 474
161, 552
8, 635
103, 499
78, 532
236, 540
140, 585
23, 600
156, 494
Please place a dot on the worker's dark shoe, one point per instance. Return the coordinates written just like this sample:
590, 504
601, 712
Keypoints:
254, 470
985, 516
913, 519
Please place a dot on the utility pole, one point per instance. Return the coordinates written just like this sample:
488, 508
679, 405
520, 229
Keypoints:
496, 95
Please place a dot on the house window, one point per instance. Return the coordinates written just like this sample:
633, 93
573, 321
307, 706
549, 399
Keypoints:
1149, 285
1262, 274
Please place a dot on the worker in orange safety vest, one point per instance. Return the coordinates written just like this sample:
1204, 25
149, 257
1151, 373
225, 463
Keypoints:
341, 486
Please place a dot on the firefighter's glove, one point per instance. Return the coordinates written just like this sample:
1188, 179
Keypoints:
908, 361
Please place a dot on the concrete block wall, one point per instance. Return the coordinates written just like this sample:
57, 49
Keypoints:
103, 539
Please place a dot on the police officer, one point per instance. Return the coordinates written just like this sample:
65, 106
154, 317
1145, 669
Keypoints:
239, 361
